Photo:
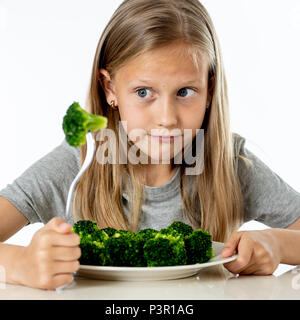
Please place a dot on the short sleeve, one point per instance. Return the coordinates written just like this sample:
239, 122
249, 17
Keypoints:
40, 193
267, 198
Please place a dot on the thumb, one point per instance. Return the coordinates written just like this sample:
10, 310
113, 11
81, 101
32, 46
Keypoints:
231, 244
59, 225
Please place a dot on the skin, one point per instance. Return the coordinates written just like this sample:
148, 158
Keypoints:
165, 104
53, 254
48, 261
260, 251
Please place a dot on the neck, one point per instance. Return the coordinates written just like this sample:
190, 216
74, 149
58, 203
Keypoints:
159, 174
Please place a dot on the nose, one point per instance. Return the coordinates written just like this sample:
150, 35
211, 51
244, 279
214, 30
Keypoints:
166, 114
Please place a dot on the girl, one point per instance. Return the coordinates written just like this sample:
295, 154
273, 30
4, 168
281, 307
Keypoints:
157, 68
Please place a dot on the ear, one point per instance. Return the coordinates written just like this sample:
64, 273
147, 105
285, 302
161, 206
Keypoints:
107, 84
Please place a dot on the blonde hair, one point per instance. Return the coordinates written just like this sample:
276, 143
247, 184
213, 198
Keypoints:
215, 202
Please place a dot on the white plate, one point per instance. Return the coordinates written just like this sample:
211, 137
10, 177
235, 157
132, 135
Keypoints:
152, 273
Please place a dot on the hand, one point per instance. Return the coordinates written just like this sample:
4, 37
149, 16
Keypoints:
258, 252
51, 257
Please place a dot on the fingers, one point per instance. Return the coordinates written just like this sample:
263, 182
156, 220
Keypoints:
257, 253
56, 274
53, 254
53, 282
52, 238
65, 267
61, 280
231, 244
250, 269
59, 225
66, 253
245, 251
66, 240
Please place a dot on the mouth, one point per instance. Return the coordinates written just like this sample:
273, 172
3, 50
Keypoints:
165, 138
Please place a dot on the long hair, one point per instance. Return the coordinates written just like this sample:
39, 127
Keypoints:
215, 201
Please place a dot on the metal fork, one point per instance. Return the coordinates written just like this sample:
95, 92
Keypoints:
91, 146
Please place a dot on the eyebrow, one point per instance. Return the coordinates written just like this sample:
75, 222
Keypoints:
188, 82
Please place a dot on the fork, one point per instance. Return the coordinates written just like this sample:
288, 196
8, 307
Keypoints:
91, 146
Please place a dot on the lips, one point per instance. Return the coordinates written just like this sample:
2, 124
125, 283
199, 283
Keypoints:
165, 138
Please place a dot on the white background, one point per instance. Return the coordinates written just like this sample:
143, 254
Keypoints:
46, 54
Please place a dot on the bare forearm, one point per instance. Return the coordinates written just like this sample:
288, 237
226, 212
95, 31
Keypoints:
289, 244
9, 259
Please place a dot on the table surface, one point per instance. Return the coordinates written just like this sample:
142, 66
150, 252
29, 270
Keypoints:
214, 283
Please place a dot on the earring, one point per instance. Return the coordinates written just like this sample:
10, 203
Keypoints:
112, 104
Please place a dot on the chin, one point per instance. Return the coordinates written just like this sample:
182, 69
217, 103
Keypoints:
162, 153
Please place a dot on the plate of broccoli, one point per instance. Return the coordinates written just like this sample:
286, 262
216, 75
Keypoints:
174, 252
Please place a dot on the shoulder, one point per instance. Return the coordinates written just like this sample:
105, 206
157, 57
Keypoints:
64, 152
243, 159
62, 160
238, 143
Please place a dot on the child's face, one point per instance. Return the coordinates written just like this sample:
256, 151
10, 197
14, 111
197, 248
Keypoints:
173, 99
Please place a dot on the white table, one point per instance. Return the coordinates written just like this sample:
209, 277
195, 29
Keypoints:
210, 283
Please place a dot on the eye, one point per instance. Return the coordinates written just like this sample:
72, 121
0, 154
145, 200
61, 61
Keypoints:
142, 92
182, 92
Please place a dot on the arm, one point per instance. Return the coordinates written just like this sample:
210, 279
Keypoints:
14, 221
295, 225
289, 243
50, 258
39, 195
260, 252
270, 200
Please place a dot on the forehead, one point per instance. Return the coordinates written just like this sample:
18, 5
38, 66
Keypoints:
174, 61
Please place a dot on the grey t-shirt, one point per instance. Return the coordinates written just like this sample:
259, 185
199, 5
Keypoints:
40, 193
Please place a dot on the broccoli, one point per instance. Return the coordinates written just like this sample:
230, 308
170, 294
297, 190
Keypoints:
78, 122
180, 227
198, 246
85, 227
165, 250
177, 244
125, 248
124, 232
170, 231
147, 234
92, 242
110, 231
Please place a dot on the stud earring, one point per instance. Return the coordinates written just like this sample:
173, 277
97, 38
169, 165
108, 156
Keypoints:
112, 104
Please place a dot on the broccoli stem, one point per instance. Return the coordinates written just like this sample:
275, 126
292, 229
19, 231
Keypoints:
94, 122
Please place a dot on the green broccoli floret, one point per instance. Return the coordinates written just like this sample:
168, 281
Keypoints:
85, 226
180, 227
124, 232
125, 248
110, 231
147, 234
78, 122
169, 231
93, 251
92, 242
198, 246
165, 250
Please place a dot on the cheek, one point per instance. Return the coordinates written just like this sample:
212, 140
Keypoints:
191, 123
134, 126
193, 120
